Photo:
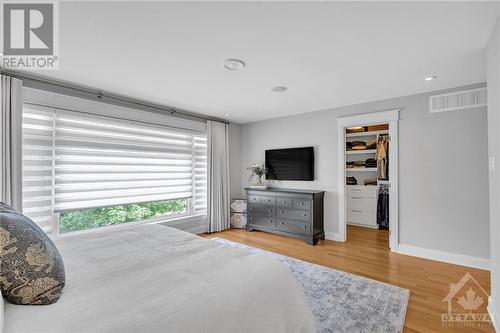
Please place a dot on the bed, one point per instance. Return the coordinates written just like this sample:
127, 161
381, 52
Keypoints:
152, 278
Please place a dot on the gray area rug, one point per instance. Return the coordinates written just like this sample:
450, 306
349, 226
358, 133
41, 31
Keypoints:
344, 302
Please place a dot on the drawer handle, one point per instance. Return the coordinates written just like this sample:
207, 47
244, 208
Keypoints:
357, 211
281, 212
282, 223
302, 204
270, 210
251, 219
355, 190
270, 221
284, 201
357, 197
251, 208
305, 214
305, 227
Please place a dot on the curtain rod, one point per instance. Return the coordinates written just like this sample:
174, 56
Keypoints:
76, 90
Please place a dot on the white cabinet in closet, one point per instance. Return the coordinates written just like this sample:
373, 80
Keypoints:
362, 205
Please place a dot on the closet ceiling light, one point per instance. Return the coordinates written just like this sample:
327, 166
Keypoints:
355, 128
234, 64
430, 78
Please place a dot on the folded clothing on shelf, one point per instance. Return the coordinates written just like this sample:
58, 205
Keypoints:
371, 144
348, 146
370, 181
350, 165
371, 163
359, 164
351, 181
358, 145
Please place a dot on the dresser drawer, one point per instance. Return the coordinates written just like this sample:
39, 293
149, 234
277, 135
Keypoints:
263, 221
299, 228
301, 204
284, 202
253, 199
268, 201
261, 211
291, 214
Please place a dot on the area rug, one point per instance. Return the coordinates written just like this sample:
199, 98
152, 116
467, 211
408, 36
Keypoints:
343, 302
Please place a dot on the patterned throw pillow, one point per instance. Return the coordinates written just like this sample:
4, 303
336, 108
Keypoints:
31, 268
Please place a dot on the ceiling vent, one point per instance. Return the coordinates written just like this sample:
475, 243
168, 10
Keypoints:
458, 100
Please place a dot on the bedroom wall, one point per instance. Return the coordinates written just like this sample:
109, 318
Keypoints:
443, 169
493, 76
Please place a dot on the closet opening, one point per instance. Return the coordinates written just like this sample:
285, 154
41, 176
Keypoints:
368, 171
367, 181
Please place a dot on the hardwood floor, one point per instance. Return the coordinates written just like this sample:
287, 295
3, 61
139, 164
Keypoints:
366, 253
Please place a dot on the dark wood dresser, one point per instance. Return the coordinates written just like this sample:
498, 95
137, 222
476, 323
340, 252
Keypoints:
295, 213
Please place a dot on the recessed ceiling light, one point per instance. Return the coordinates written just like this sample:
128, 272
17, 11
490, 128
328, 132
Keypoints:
430, 78
234, 64
279, 89
227, 114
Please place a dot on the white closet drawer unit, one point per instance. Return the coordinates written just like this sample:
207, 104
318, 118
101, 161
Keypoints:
367, 218
366, 191
362, 205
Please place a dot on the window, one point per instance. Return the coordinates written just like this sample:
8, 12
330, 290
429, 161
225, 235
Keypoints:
84, 166
98, 217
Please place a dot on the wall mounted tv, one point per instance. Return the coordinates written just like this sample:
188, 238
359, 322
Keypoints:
290, 164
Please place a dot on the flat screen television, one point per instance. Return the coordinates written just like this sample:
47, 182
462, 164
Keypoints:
290, 164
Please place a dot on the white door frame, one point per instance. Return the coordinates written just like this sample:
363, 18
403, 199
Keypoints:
390, 117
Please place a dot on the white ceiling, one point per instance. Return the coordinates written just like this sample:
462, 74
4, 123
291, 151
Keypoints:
328, 54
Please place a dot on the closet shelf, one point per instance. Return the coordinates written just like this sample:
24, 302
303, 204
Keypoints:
359, 152
360, 134
360, 169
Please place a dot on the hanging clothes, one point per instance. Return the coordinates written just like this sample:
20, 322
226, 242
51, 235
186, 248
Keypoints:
383, 206
382, 156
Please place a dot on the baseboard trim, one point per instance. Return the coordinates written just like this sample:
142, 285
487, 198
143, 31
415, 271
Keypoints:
334, 236
448, 257
492, 310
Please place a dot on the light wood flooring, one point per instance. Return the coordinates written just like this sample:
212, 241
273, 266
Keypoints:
366, 253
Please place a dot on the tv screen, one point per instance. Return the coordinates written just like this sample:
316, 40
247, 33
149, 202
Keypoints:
290, 164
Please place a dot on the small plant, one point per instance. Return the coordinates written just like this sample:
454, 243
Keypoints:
259, 171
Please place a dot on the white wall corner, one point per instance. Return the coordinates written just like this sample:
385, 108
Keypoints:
448, 257
334, 236
492, 310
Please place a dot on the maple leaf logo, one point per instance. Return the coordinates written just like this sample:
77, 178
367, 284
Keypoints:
470, 301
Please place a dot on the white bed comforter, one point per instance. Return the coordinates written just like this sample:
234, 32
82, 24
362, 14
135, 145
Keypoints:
152, 278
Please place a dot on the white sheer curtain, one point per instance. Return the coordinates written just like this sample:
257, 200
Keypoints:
218, 176
10, 141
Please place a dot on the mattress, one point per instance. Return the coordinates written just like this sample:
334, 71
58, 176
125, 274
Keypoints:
152, 278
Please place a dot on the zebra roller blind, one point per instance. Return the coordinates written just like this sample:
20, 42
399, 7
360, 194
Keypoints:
90, 161
38, 164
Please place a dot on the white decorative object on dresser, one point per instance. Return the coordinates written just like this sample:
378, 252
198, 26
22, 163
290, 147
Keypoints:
362, 205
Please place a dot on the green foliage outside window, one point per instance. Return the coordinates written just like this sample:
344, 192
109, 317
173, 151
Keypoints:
98, 217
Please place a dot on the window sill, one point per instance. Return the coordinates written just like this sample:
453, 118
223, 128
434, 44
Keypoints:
190, 223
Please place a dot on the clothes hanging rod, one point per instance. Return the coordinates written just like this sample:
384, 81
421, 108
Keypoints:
90, 93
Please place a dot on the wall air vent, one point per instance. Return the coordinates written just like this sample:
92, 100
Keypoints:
458, 100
